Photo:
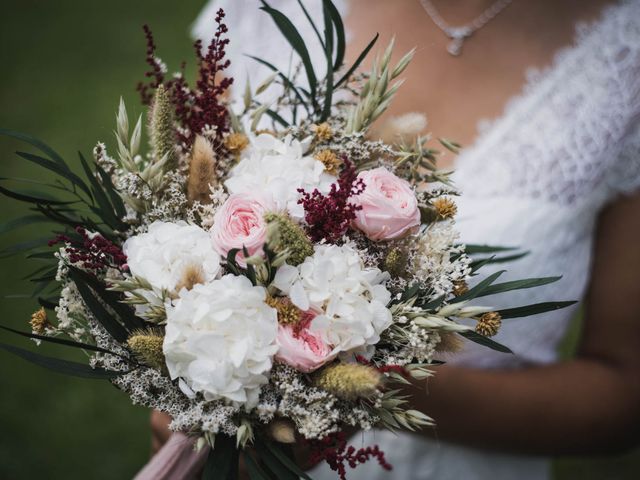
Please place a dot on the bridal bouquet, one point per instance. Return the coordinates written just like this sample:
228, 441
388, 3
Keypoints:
265, 272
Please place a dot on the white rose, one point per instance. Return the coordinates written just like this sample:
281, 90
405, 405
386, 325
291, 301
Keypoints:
351, 299
166, 251
278, 168
220, 340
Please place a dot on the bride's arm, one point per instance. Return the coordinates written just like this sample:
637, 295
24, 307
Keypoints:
588, 404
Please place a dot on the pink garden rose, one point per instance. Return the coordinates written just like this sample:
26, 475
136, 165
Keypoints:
389, 208
301, 348
239, 223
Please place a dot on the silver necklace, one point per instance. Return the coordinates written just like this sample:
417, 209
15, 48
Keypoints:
459, 34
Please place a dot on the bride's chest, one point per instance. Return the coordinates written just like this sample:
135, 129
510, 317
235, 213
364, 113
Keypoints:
456, 92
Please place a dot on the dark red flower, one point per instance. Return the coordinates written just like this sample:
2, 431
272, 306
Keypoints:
200, 108
328, 216
333, 449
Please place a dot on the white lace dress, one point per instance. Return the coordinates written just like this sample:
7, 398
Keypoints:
537, 179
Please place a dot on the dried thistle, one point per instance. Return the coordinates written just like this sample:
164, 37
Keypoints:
330, 160
396, 262
147, 346
236, 142
288, 313
460, 287
202, 172
349, 381
323, 131
489, 324
445, 208
39, 322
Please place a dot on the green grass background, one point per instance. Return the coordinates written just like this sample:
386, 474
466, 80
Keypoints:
64, 66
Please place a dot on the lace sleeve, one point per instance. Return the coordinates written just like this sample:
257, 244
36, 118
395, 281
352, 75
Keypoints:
624, 177
625, 174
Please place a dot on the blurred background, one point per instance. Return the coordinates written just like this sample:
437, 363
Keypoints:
65, 64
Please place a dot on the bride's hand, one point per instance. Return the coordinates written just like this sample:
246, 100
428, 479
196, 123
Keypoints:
160, 432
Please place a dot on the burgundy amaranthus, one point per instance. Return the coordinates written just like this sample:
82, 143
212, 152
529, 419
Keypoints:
196, 109
94, 252
333, 449
328, 216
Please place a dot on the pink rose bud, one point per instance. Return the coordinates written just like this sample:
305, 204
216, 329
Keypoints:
239, 223
389, 208
301, 348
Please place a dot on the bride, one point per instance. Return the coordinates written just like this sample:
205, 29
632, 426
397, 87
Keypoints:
558, 174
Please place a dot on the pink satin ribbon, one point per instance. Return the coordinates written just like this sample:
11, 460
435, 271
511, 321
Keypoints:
176, 460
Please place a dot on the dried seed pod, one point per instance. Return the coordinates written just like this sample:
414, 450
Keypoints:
202, 171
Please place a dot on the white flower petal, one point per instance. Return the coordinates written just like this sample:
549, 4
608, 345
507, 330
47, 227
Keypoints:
299, 296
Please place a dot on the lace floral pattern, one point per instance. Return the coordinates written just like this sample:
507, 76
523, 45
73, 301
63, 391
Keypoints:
573, 135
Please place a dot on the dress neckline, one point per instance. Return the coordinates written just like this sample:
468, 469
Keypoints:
535, 78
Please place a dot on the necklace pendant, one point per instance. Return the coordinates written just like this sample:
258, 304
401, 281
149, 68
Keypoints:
455, 47
457, 36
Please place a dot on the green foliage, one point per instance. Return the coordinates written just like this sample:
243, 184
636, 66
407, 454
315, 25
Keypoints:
222, 461
56, 426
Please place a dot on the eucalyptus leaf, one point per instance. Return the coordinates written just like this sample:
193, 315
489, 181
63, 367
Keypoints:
115, 198
39, 144
60, 341
312, 23
23, 246
111, 325
328, 35
104, 208
478, 289
533, 309
358, 61
508, 258
112, 299
222, 461
518, 285
277, 451
272, 463
485, 341
48, 303
472, 249
62, 366
284, 79
29, 198
294, 38
277, 118
341, 41
254, 471
55, 167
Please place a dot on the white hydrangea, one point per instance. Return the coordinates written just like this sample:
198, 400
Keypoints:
220, 340
279, 168
166, 251
349, 298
